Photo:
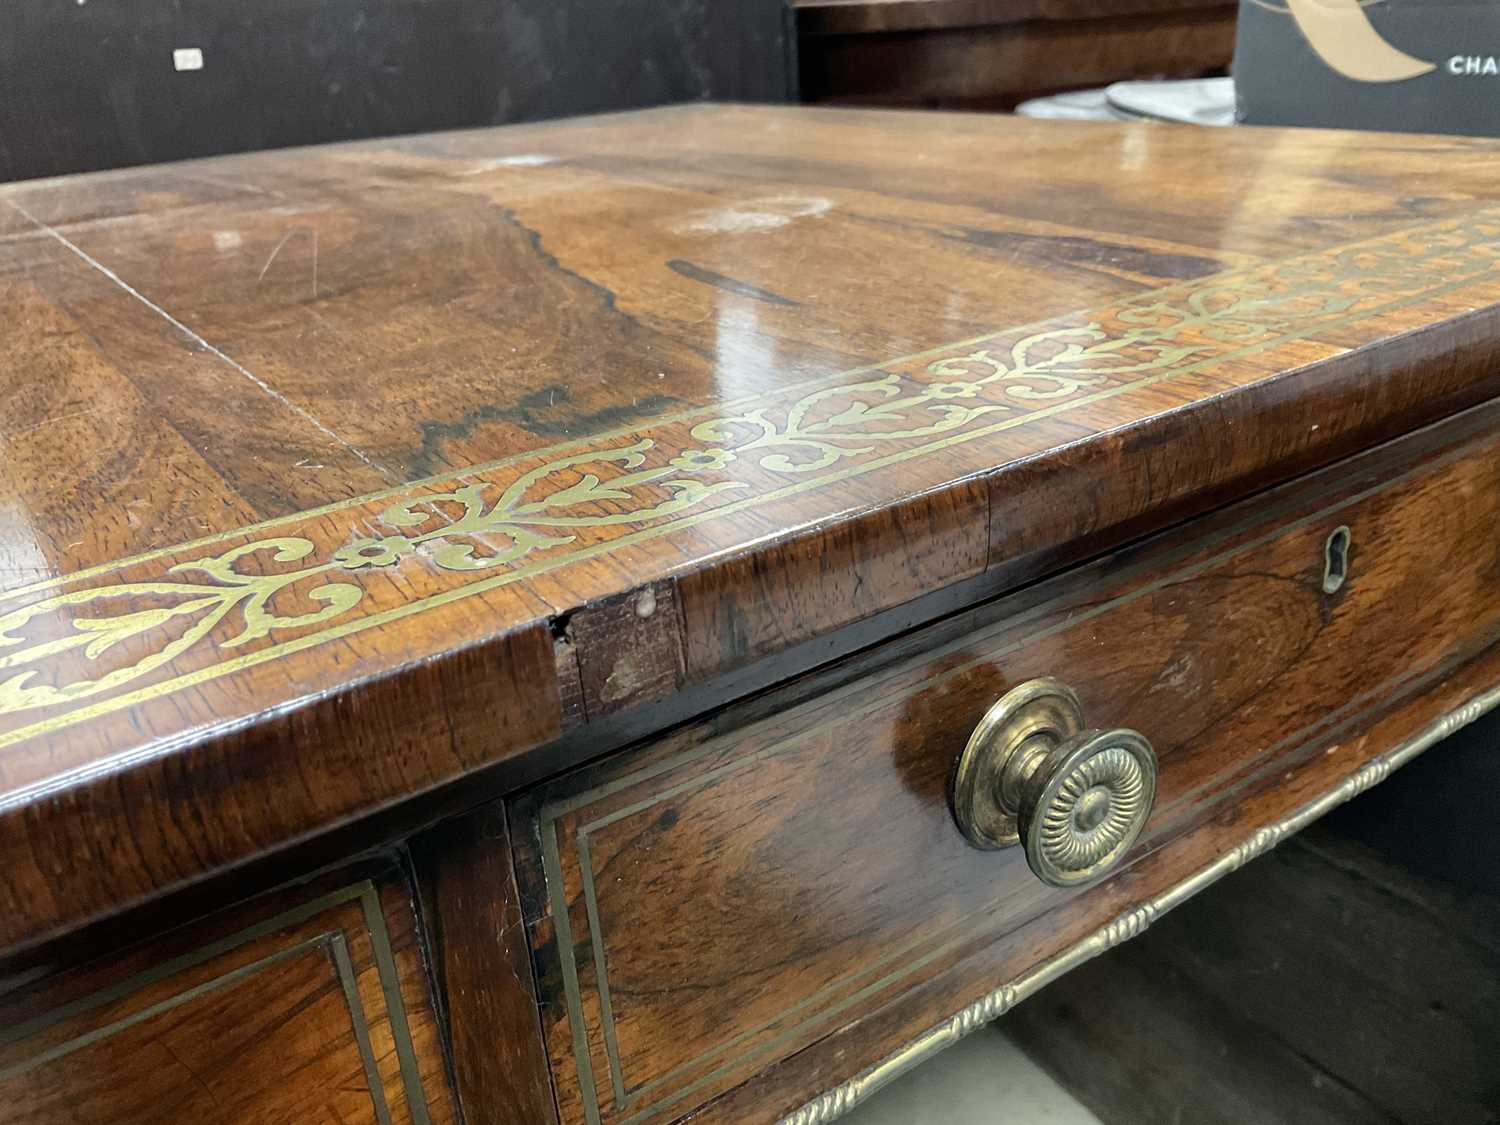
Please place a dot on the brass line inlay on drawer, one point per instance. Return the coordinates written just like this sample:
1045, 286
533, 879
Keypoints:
833, 1104
336, 944
966, 928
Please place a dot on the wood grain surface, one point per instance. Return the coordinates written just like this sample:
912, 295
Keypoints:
984, 971
331, 476
732, 896
482, 965
309, 1006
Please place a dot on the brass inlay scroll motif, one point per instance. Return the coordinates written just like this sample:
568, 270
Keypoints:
458, 531
573, 819
118, 635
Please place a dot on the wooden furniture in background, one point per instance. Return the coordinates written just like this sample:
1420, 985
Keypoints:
606, 536
991, 54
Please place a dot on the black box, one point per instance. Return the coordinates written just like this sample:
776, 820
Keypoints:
1427, 66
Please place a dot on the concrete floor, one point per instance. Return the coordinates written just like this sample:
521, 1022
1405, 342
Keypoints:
982, 1080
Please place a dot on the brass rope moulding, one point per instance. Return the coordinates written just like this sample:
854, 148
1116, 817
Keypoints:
834, 1103
1074, 799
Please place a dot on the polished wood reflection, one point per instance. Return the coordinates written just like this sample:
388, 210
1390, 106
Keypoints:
334, 475
736, 894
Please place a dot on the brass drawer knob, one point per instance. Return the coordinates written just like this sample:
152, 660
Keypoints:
1075, 799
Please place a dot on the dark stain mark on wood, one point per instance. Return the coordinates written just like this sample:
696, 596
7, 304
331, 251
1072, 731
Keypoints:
1079, 251
534, 240
1091, 253
727, 284
545, 412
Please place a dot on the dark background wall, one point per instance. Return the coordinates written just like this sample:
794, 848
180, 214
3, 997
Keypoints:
88, 84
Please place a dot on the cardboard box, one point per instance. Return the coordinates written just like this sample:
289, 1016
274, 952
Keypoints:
1427, 66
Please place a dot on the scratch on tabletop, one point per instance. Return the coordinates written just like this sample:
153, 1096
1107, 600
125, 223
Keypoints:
50, 421
234, 185
260, 383
284, 240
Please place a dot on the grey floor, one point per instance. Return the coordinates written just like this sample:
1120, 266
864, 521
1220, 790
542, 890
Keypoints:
982, 1080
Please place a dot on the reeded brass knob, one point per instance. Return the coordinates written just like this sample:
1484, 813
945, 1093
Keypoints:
1075, 799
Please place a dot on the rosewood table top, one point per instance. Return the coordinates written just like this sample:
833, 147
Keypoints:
330, 476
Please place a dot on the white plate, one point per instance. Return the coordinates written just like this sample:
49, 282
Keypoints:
1196, 101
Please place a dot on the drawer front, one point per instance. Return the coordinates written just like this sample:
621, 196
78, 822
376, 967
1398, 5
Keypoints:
311, 1008
717, 902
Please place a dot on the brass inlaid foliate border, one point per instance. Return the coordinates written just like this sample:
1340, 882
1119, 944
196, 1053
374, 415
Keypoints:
334, 942
838, 1101
99, 641
896, 964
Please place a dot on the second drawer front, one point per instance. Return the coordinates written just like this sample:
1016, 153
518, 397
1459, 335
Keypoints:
721, 900
307, 1005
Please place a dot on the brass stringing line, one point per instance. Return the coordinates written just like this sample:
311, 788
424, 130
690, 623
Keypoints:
1235, 321
362, 892
948, 938
233, 976
835, 1103
1394, 689
553, 811
395, 613
768, 397
771, 396
287, 648
511, 516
